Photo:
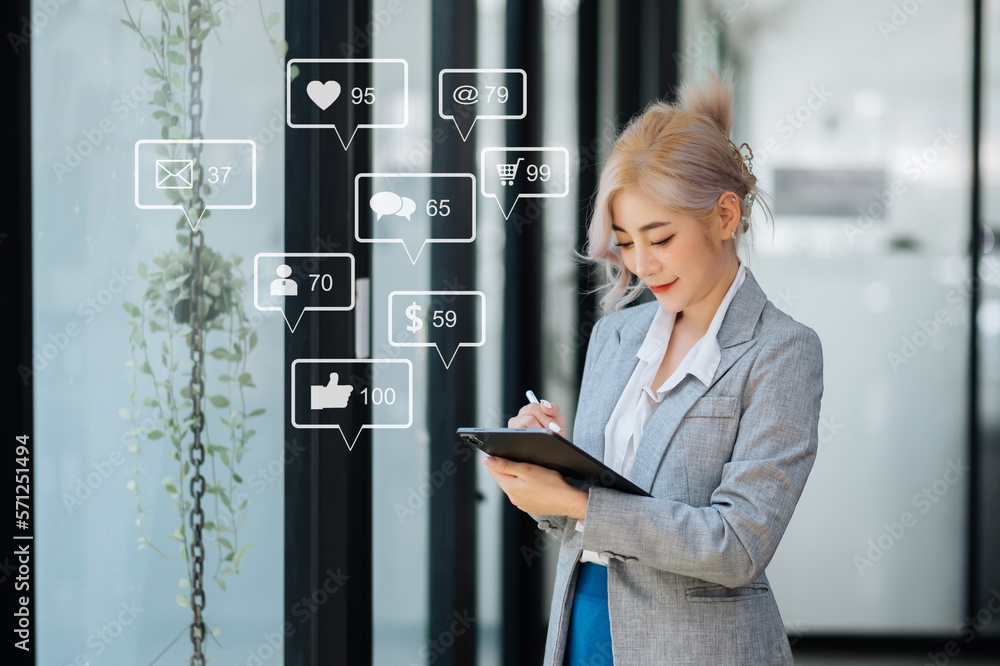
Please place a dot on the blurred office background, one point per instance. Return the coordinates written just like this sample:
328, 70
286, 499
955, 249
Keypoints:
865, 118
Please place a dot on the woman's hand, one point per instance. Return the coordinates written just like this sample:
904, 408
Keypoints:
539, 415
537, 490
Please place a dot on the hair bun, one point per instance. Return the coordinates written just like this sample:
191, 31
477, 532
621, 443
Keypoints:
713, 98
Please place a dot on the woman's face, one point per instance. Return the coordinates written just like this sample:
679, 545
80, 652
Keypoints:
670, 251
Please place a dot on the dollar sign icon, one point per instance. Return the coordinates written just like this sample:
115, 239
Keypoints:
413, 312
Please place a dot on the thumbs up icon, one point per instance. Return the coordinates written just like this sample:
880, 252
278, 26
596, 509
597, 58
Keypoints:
331, 396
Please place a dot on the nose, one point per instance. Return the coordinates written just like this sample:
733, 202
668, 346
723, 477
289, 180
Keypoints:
646, 263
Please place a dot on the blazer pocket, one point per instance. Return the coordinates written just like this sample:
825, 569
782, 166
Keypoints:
715, 593
713, 406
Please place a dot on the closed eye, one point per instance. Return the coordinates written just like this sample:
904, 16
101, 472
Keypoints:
664, 241
624, 245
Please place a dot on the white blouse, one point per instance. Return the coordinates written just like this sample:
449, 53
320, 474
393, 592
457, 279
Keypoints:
638, 401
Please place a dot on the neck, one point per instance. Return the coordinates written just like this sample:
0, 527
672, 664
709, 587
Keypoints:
698, 316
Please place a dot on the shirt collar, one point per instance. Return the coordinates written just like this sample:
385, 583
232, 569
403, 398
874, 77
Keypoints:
703, 359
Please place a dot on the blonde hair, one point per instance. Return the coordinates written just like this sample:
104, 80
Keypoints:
678, 156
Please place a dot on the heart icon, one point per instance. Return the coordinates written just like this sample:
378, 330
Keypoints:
323, 94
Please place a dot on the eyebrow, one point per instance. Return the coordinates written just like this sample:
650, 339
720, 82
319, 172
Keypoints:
651, 225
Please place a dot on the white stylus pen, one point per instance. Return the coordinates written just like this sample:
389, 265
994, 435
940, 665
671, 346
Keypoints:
553, 426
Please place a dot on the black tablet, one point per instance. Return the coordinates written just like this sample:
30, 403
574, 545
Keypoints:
541, 446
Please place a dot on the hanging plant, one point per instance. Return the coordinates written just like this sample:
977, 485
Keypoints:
199, 405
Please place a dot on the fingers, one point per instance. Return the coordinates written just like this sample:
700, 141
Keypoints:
505, 467
538, 415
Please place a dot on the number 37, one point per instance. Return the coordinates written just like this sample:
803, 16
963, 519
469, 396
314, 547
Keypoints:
213, 174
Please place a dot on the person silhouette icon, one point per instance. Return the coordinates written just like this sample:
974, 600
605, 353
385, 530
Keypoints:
283, 286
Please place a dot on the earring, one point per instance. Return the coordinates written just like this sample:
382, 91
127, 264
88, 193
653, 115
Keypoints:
733, 235
734, 199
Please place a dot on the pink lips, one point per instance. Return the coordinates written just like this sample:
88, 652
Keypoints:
663, 287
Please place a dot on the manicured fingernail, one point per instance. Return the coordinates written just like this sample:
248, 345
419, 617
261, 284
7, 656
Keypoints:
489, 460
554, 427
548, 405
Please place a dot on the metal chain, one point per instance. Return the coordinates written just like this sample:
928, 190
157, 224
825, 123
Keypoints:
196, 243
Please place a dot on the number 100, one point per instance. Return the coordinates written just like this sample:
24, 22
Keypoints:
388, 396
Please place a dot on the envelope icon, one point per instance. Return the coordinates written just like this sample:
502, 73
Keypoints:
174, 174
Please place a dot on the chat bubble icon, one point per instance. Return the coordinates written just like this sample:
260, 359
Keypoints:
445, 320
385, 203
296, 282
343, 94
408, 208
195, 176
467, 95
333, 393
415, 209
509, 174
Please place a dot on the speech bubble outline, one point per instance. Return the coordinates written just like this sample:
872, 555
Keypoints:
413, 258
537, 195
325, 308
333, 126
482, 322
365, 426
194, 225
451, 117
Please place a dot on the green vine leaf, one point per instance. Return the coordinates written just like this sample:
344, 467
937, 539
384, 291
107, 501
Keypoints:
238, 560
219, 401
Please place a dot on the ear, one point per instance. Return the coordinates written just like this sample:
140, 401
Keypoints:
728, 209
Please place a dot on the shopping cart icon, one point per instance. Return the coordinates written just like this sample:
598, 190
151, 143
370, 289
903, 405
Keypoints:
508, 171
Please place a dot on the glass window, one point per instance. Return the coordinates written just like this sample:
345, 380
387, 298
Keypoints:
111, 369
864, 150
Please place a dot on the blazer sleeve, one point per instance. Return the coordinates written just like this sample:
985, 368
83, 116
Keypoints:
731, 541
557, 525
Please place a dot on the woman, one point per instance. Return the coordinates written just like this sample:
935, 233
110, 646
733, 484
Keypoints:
708, 398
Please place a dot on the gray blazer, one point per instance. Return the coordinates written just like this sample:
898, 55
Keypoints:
725, 465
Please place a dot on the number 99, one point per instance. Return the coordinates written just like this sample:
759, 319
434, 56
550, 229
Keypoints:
541, 173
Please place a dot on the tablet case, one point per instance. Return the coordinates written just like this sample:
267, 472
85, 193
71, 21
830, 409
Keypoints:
541, 446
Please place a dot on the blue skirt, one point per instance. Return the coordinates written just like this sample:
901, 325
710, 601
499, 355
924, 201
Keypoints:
589, 640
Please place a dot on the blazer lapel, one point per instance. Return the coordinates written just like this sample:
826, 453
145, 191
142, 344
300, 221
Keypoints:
614, 375
735, 338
